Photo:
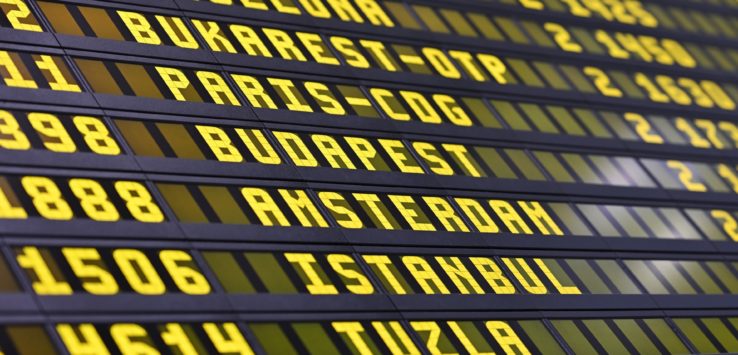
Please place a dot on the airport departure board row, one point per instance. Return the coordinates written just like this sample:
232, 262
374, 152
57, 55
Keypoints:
363, 177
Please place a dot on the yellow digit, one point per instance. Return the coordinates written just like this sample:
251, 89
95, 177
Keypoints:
686, 176
94, 200
598, 7
576, 9
730, 175
653, 46
188, 279
96, 135
532, 4
7, 210
230, 342
11, 136
643, 128
12, 75
19, 13
85, 263
710, 130
633, 45
139, 272
731, 129
730, 225
83, 341
47, 198
54, 135
694, 137
645, 18
613, 48
675, 93
602, 82
562, 37
131, 339
175, 336
718, 95
653, 91
30, 258
679, 53
620, 12
139, 201
699, 95
57, 81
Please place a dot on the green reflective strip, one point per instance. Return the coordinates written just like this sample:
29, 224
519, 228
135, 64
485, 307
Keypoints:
666, 336
695, 335
229, 273
541, 337
525, 164
580, 167
593, 123
573, 337
315, 339
553, 167
511, 116
481, 112
636, 336
625, 219
705, 223
558, 272
272, 338
496, 163
270, 273
589, 277
539, 118
571, 220
646, 277
605, 336
680, 223
475, 337
674, 277
724, 275
566, 120
598, 220
700, 277
618, 277
721, 333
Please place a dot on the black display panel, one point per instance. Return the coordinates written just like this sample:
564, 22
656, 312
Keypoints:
368, 177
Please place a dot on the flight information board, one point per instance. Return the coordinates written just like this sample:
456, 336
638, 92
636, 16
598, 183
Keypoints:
368, 177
